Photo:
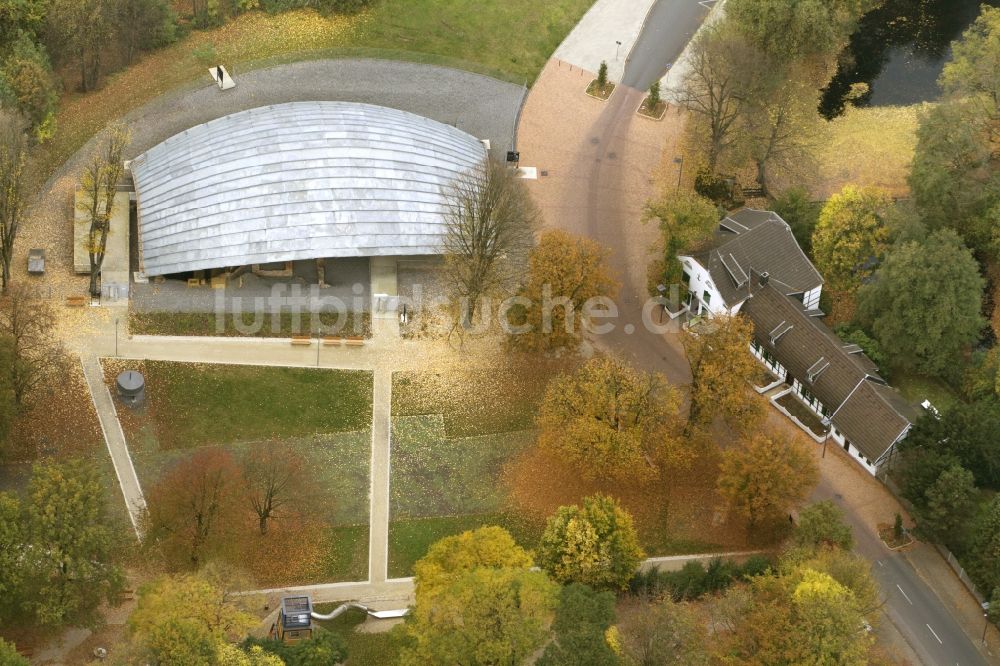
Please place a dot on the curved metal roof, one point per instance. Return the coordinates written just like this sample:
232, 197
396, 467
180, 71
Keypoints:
302, 180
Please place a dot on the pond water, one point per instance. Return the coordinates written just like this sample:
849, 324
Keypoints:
899, 51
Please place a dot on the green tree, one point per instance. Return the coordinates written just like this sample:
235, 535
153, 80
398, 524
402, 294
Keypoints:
721, 372
78, 32
185, 619
984, 547
663, 633
764, 476
974, 70
8, 401
12, 540
609, 419
851, 236
855, 336
325, 647
964, 434
477, 602
924, 304
143, 25
950, 501
9, 656
687, 221
823, 524
595, 544
582, 620
566, 273
654, 98
26, 75
796, 207
488, 547
13, 195
955, 179
70, 570
602, 76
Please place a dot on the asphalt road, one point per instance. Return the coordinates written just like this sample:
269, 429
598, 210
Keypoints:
669, 26
913, 607
915, 610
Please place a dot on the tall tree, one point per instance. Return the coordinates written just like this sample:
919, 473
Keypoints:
13, 158
687, 221
274, 479
10, 656
796, 207
185, 619
490, 225
477, 603
99, 184
70, 570
712, 87
143, 25
851, 236
192, 505
765, 476
27, 322
565, 272
721, 370
974, 70
12, 542
487, 547
924, 303
595, 544
582, 620
950, 500
78, 32
823, 524
966, 434
663, 633
609, 419
26, 75
984, 547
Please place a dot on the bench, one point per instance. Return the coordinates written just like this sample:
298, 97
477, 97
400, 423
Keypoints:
355, 341
76, 301
332, 340
301, 340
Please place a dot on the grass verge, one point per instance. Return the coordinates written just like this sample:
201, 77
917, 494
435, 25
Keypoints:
409, 540
363, 649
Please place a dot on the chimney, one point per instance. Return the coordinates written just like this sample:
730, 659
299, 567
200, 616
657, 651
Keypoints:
764, 277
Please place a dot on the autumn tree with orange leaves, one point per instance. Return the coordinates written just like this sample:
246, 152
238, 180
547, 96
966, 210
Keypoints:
564, 273
610, 420
763, 477
193, 506
721, 371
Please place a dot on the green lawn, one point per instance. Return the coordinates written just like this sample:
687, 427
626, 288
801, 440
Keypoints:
409, 540
347, 559
916, 389
206, 323
507, 39
201, 404
362, 649
435, 476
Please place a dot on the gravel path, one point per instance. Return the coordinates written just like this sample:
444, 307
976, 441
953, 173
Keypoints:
484, 107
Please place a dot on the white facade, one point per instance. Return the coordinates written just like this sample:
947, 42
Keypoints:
704, 297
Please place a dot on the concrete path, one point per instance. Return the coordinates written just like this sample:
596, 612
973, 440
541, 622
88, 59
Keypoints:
378, 530
115, 439
594, 38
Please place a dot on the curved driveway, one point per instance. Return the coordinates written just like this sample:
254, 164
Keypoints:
484, 107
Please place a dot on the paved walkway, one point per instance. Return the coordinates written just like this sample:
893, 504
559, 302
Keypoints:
378, 530
594, 38
115, 439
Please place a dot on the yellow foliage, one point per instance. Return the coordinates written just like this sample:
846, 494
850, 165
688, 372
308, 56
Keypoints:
487, 547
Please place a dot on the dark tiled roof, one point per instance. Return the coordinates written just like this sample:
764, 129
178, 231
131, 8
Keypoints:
757, 240
869, 413
869, 420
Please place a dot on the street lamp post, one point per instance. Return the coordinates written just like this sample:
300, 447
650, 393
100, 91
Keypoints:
679, 161
986, 625
116, 336
618, 46
319, 342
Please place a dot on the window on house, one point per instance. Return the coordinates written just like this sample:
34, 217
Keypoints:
686, 277
706, 297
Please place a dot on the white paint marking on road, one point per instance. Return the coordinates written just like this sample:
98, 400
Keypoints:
935, 634
880, 563
904, 594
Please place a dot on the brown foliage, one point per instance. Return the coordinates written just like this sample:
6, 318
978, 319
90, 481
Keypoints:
28, 321
721, 371
194, 506
275, 483
564, 272
762, 478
